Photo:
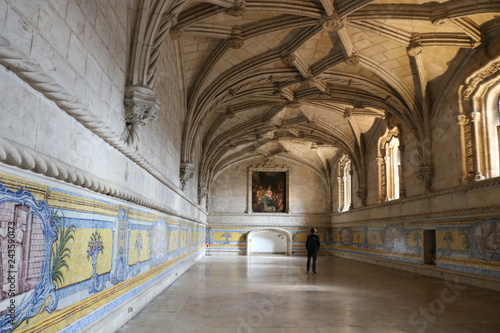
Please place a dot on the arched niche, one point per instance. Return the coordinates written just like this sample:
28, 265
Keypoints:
269, 241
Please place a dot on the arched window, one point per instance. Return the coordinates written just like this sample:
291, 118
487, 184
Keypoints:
389, 166
344, 180
479, 122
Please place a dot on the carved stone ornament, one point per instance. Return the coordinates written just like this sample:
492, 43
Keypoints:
415, 46
230, 114
477, 79
202, 193
175, 33
361, 194
348, 113
187, 173
169, 19
141, 105
238, 9
334, 23
308, 82
289, 59
425, 174
439, 16
353, 60
236, 42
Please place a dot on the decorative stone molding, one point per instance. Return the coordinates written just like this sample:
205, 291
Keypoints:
202, 193
308, 82
334, 22
169, 19
478, 78
353, 60
289, 59
415, 46
236, 40
238, 9
176, 33
361, 194
230, 114
440, 21
141, 106
348, 113
439, 16
23, 157
186, 173
425, 174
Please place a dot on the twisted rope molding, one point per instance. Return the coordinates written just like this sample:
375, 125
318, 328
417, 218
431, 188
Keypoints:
17, 155
32, 74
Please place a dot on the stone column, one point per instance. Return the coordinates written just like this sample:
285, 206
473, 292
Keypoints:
475, 118
381, 179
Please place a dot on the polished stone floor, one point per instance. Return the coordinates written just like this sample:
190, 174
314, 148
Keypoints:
274, 294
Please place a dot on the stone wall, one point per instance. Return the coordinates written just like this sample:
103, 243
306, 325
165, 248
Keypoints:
66, 156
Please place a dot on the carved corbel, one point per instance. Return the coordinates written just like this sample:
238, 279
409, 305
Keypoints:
440, 16
415, 46
187, 173
230, 114
361, 194
288, 58
236, 41
425, 174
334, 22
176, 33
141, 106
353, 60
202, 193
348, 113
238, 9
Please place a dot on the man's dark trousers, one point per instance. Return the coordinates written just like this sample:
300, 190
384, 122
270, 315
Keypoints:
314, 255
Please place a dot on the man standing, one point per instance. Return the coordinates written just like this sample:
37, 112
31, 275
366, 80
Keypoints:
312, 247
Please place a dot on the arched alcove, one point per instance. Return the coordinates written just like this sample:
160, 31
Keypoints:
269, 241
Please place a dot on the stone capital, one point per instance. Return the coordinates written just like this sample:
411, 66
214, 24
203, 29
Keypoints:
425, 174
361, 194
348, 113
353, 60
186, 173
475, 116
289, 58
462, 119
415, 46
334, 23
236, 41
141, 105
238, 9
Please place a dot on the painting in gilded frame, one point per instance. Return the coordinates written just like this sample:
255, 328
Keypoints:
269, 192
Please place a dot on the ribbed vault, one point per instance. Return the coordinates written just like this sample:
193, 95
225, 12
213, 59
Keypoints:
306, 80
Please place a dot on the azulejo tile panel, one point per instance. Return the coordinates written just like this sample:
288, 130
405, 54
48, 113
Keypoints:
68, 250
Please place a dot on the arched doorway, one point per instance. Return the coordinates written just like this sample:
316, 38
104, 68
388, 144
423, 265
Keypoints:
269, 241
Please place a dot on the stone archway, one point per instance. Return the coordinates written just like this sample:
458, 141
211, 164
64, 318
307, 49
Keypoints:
269, 241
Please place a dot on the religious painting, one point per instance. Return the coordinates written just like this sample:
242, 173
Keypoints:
269, 192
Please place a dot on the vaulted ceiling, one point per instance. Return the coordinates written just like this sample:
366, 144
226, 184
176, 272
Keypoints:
309, 79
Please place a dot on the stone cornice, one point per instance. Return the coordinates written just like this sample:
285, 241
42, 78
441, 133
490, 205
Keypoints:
22, 157
451, 213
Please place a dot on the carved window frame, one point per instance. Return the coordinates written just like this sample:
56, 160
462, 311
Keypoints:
479, 122
345, 184
389, 166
